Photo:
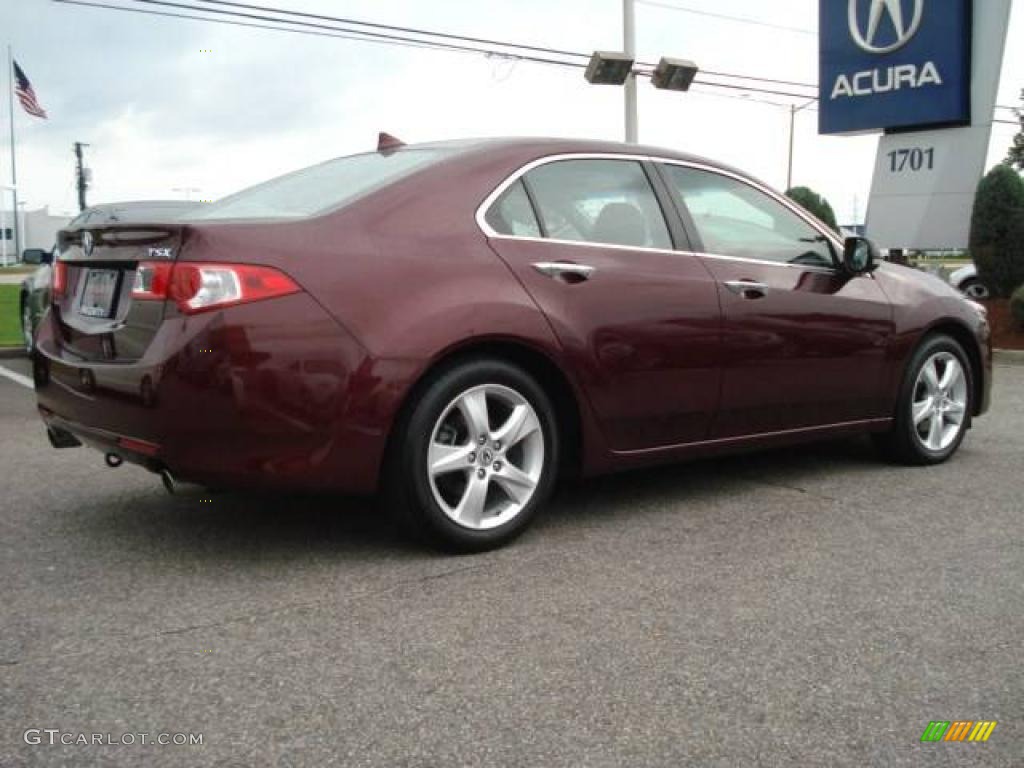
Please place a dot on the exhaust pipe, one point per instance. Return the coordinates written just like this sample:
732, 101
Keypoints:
113, 460
168, 480
60, 438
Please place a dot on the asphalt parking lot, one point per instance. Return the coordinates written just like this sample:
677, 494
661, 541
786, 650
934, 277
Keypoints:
796, 608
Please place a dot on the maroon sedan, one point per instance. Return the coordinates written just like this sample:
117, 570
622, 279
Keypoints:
454, 325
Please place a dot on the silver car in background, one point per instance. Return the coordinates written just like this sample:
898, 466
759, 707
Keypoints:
966, 281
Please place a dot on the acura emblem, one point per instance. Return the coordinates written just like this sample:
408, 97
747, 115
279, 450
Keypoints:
87, 243
868, 37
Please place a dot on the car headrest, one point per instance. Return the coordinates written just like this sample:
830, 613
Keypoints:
620, 224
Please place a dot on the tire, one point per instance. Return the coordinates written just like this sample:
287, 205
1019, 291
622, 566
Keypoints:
933, 413
461, 494
26, 325
973, 288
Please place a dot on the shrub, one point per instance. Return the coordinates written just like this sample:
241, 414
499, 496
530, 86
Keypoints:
814, 203
997, 230
1017, 306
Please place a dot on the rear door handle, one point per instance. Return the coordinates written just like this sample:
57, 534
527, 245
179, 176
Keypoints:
748, 289
564, 270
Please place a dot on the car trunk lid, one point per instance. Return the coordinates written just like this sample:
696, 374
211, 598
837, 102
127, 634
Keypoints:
94, 276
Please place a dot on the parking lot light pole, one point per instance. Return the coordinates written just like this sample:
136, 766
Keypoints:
615, 68
629, 48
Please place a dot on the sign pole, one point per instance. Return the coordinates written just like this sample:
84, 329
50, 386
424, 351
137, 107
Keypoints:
14, 170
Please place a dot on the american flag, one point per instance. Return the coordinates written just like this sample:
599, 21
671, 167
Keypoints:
27, 97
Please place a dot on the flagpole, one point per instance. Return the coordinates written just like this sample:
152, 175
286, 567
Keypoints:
14, 170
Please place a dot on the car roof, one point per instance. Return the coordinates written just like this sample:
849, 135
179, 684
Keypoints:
541, 146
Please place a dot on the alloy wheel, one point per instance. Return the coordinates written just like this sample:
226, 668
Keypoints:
976, 289
939, 404
486, 456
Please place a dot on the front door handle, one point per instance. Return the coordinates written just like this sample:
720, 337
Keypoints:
564, 270
748, 289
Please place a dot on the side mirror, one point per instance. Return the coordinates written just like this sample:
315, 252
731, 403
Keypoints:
860, 255
36, 256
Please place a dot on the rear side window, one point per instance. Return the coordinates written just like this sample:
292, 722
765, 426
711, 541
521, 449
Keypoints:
599, 201
321, 188
512, 213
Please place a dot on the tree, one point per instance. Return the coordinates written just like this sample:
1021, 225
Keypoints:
997, 230
814, 203
1015, 158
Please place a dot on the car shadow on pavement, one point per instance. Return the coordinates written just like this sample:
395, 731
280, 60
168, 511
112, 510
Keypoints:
249, 526
698, 480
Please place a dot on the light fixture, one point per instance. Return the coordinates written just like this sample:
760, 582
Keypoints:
674, 74
609, 68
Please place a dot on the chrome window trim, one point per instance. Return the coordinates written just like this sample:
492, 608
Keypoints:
762, 262
497, 192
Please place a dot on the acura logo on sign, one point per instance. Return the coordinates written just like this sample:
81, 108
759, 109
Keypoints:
869, 38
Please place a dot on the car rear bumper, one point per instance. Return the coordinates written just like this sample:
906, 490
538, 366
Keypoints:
270, 394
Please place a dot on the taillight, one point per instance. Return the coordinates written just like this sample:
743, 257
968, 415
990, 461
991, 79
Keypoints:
59, 279
151, 280
200, 287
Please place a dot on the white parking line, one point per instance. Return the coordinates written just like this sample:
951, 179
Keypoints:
17, 378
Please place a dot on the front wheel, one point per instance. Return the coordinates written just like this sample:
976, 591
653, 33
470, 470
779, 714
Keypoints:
973, 288
934, 406
476, 456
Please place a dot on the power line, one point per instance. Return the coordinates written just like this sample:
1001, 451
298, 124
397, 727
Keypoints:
228, 22
476, 46
469, 48
726, 17
462, 38
449, 36
366, 36
389, 27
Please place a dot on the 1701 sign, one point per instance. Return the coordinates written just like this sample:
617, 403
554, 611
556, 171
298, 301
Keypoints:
913, 160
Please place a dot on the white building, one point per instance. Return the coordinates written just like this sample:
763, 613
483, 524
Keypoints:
38, 230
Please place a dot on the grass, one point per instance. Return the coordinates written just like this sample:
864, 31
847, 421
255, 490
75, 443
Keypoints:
10, 321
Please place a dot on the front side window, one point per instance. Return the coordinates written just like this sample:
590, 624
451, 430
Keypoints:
598, 201
735, 219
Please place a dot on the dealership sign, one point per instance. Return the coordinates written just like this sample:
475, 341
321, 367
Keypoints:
926, 73
894, 64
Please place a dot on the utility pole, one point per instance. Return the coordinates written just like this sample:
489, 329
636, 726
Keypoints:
629, 48
792, 127
793, 109
80, 180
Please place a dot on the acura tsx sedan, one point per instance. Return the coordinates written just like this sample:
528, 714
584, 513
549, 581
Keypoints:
453, 326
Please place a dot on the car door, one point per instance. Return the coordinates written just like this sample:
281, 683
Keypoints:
804, 343
639, 320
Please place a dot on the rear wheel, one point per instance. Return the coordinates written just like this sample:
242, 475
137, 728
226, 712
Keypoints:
475, 459
934, 407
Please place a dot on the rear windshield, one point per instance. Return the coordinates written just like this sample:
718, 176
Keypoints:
320, 188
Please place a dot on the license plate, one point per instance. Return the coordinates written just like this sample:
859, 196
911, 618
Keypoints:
99, 292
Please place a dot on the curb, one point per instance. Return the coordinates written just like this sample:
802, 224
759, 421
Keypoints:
1008, 356
9, 353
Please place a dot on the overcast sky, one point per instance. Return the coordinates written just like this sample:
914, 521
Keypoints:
169, 103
